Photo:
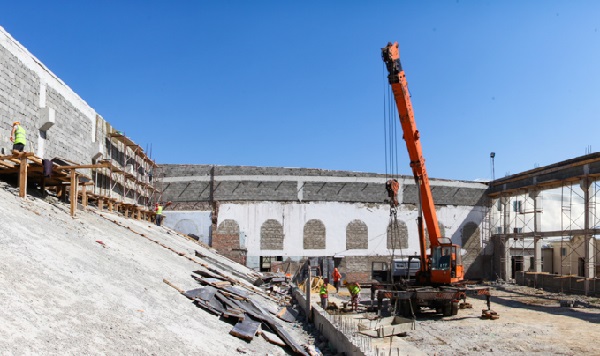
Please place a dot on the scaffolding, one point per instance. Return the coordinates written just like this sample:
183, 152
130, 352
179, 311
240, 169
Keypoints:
570, 224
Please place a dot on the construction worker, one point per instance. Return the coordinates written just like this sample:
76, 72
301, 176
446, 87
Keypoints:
323, 293
158, 208
354, 289
336, 279
17, 136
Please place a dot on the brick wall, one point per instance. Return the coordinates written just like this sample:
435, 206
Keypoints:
226, 241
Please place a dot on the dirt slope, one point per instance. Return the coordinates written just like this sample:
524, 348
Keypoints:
87, 285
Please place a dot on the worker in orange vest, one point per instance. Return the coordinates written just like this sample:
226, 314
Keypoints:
336, 279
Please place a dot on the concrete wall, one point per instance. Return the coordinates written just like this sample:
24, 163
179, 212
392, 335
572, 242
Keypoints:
189, 222
31, 94
295, 212
60, 124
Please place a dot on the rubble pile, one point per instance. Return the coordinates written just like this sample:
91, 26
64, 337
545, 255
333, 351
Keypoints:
252, 311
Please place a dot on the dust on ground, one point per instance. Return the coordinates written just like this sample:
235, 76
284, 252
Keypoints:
93, 284
531, 322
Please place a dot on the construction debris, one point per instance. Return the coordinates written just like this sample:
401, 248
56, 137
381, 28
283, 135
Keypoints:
226, 298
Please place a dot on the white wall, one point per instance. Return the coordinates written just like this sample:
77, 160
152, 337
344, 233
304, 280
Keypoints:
190, 222
336, 216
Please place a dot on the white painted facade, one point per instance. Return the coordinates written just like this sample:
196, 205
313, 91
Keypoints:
336, 216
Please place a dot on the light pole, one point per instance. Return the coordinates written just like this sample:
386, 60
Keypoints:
492, 155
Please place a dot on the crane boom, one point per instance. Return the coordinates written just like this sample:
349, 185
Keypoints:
397, 79
444, 265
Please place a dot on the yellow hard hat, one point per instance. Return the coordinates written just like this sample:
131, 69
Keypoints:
16, 123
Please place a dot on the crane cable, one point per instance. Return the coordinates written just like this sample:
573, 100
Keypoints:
390, 128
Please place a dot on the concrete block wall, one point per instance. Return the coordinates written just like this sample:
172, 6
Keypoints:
59, 124
186, 183
27, 90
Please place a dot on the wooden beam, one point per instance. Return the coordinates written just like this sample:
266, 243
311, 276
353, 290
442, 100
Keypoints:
17, 169
73, 192
18, 155
83, 166
101, 203
84, 200
23, 177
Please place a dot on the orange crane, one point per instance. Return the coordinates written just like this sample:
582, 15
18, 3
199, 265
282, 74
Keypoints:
443, 266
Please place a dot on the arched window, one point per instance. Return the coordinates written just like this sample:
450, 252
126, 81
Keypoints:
271, 235
397, 235
314, 235
357, 235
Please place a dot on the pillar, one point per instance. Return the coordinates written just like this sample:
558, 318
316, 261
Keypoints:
537, 239
590, 260
507, 240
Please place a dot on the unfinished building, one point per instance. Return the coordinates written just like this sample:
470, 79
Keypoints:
88, 155
269, 218
534, 227
544, 225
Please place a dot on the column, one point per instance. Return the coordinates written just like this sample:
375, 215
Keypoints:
537, 239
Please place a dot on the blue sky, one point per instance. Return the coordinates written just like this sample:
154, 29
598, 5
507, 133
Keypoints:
301, 83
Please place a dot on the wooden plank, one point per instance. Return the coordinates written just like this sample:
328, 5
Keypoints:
288, 314
23, 177
73, 192
245, 329
271, 338
234, 313
82, 166
84, 199
206, 305
255, 312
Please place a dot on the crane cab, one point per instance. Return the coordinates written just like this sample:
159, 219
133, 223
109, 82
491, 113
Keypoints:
446, 263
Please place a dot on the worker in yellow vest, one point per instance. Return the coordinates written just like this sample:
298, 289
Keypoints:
17, 136
354, 289
158, 209
323, 293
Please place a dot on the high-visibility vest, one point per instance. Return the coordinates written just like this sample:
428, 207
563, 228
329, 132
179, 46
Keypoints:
159, 210
20, 135
354, 289
323, 291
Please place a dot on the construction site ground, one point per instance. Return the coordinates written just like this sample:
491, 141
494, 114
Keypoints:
95, 284
531, 321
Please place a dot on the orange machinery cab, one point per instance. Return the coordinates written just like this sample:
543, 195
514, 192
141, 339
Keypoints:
446, 263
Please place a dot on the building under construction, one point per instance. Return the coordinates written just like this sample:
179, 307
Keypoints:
538, 228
